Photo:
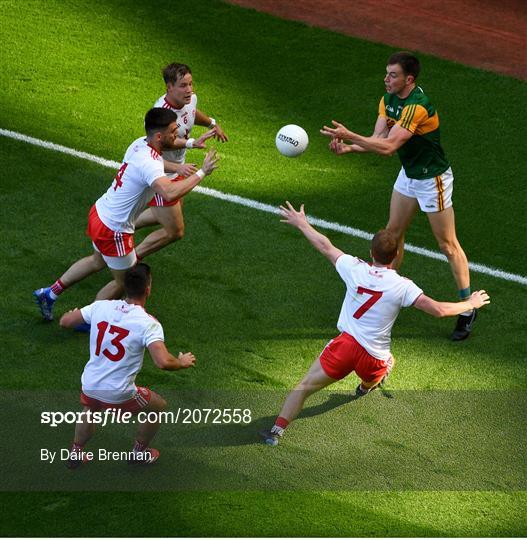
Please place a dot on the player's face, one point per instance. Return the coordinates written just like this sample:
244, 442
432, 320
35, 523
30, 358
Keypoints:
168, 136
395, 80
180, 93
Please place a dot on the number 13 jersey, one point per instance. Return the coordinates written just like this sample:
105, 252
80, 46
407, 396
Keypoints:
119, 334
374, 297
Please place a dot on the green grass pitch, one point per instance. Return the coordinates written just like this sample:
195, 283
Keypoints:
247, 294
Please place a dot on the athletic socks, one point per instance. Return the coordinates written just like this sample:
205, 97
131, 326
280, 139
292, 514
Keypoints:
279, 426
56, 289
139, 447
464, 294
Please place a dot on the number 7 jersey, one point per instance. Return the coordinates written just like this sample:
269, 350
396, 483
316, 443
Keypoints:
374, 297
119, 334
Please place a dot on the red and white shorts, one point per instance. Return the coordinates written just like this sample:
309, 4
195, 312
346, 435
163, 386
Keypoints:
345, 354
135, 404
108, 242
159, 201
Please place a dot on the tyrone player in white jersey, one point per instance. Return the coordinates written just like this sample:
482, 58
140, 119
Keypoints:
375, 293
122, 329
111, 221
180, 98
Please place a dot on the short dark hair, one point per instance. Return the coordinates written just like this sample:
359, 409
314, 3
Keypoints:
173, 72
384, 246
136, 280
408, 62
158, 119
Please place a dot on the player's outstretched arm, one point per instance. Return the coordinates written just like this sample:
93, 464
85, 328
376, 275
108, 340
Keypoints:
317, 240
339, 147
71, 319
174, 190
165, 360
383, 141
477, 300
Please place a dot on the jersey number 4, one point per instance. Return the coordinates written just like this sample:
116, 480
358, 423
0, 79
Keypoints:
119, 176
375, 296
121, 333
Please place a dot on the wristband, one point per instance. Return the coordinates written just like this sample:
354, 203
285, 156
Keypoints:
212, 122
190, 143
200, 173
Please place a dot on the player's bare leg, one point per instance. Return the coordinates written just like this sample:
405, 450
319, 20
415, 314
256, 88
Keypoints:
46, 296
82, 269
115, 288
146, 219
402, 211
444, 228
84, 431
173, 228
146, 432
314, 380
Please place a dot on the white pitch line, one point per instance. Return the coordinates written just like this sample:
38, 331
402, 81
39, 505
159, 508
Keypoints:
256, 205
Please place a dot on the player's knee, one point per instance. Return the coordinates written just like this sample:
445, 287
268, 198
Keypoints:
97, 262
175, 234
303, 385
158, 404
449, 248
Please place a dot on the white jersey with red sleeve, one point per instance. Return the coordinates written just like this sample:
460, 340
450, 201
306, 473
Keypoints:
131, 189
119, 334
374, 297
186, 116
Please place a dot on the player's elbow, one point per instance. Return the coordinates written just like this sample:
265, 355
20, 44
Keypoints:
163, 362
388, 151
66, 321
168, 194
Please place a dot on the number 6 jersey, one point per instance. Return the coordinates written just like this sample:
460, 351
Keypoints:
119, 334
374, 297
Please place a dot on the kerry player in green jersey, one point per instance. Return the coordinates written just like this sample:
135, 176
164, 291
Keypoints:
408, 124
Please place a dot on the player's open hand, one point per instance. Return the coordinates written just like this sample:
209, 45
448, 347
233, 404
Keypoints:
200, 143
338, 147
219, 133
291, 216
186, 169
186, 360
479, 299
210, 162
339, 131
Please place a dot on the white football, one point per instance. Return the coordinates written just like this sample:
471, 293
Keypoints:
291, 140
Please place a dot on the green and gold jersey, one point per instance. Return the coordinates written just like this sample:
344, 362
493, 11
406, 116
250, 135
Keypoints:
421, 156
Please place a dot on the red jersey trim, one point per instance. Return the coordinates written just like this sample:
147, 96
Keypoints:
153, 152
170, 105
